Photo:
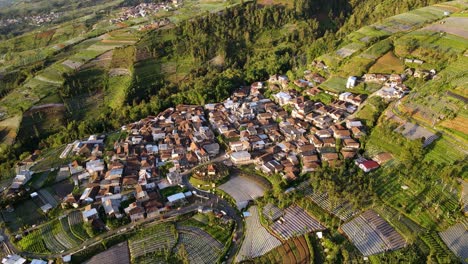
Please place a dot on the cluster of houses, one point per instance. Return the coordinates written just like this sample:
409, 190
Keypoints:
164, 145
31, 20
259, 130
144, 9
393, 86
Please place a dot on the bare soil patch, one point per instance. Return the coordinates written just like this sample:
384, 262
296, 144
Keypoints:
451, 25
388, 63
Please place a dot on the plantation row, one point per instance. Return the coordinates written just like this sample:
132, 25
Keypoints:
291, 251
258, 241
157, 238
200, 246
456, 238
371, 234
296, 222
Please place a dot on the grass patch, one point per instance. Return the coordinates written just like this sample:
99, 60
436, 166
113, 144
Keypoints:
334, 84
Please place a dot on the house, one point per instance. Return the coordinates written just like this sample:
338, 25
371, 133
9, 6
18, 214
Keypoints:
89, 194
358, 132
282, 98
212, 149
135, 212
342, 133
368, 165
351, 83
111, 206
240, 157
329, 157
95, 166
90, 214
13, 259
383, 157
350, 143
20, 179
174, 177
353, 123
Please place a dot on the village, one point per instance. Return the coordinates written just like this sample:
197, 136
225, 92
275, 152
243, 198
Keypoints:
274, 126
286, 134
31, 20
145, 9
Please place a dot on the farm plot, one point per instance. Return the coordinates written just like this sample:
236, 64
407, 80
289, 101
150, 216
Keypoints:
200, 246
451, 25
342, 209
118, 254
413, 131
371, 234
293, 251
242, 189
258, 241
456, 239
295, 222
156, 238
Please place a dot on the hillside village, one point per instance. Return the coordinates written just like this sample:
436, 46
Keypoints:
263, 175
285, 133
273, 125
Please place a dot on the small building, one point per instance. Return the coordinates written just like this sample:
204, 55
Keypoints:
240, 157
351, 83
368, 165
178, 197
13, 259
90, 214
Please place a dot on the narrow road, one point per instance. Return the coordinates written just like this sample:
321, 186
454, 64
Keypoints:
230, 211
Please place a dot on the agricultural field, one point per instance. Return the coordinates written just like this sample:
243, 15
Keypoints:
147, 242
296, 222
199, 245
429, 205
371, 234
242, 189
55, 236
258, 241
118, 254
292, 251
456, 238
335, 84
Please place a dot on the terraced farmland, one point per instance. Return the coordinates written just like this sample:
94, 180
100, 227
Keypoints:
157, 238
371, 234
296, 222
200, 246
258, 241
293, 251
55, 236
456, 239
